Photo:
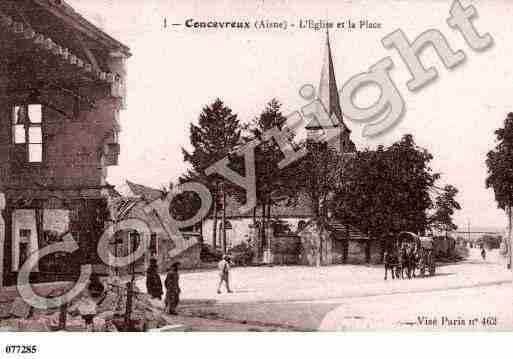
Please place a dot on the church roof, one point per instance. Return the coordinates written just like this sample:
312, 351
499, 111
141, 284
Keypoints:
301, 209
328, 94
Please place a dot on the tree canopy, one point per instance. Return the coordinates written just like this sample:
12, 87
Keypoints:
387, 190
500, 165
445, 205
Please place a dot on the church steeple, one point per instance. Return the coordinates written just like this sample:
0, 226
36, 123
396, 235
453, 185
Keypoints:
330, 127
328, 92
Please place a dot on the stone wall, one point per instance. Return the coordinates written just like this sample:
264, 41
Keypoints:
356, 252
241, 230
321, 247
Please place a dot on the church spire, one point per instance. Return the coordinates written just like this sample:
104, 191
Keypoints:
328, 91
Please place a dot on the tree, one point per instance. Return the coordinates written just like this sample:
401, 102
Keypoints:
272, 186
320, 175
445, 204
218, 132
317, 176
500, 172
184, 205
387, 190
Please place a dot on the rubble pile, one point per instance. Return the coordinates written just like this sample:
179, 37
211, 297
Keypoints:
146, 313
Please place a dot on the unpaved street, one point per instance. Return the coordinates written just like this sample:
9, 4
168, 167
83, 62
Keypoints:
356, 297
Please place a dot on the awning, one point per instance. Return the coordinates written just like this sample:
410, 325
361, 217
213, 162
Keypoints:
408, 236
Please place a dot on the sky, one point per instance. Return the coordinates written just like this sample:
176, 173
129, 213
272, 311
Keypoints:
175, 71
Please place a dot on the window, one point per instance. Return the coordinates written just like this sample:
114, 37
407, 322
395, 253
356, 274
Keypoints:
27, 130
133, 242
153, 245
25, 235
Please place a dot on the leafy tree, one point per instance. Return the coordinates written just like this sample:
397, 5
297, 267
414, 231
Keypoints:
320, 175
445, 204
218, 132
412, 179
500, 171
316, 175
387, 190
271, 182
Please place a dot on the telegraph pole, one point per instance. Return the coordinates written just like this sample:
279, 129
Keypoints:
223, 233
133, 239
468, 229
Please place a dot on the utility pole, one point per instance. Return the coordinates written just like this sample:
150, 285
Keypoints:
468, 228
214, 217
223, 233
130, 285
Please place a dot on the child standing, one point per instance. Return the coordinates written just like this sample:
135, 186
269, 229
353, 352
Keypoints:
86, 307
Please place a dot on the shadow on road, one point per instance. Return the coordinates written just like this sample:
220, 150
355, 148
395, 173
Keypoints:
443, 274
197, 302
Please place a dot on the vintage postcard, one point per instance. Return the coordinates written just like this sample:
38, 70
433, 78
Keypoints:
241, 166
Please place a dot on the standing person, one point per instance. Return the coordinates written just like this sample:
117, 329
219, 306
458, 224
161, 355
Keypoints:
172, 289
153, 281
224, 274
483, 253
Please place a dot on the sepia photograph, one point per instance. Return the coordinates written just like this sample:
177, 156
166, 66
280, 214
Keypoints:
255, 166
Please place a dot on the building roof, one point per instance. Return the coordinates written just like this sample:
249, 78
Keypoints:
53, 28
66, 13
328, 94
301, 209
145, 192
340, 231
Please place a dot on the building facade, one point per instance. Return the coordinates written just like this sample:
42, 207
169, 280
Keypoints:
62, 87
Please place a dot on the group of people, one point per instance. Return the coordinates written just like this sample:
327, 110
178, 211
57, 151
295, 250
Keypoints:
403, 260
94, 293
155, 288
172, 283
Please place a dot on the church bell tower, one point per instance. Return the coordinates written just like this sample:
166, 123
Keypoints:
334, 126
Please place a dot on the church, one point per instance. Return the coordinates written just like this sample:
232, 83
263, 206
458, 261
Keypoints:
241, 228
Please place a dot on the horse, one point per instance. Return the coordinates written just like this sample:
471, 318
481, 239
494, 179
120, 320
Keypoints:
403, 262
411, 262
390, 262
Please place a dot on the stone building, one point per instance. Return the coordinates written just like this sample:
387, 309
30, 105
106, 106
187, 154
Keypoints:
62, 86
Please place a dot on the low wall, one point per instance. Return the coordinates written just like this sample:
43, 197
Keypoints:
356, 252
